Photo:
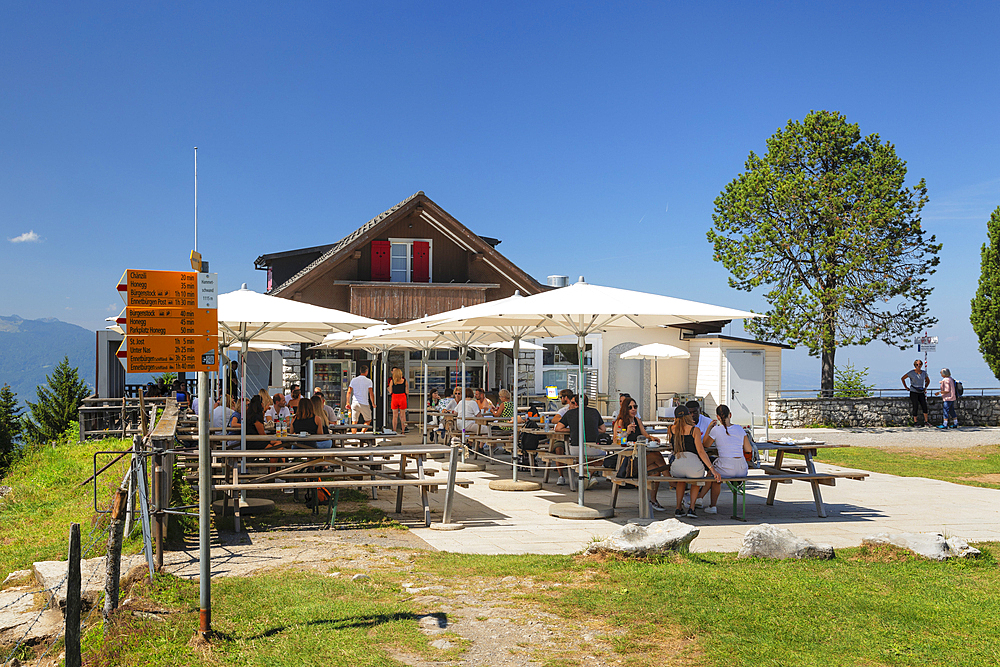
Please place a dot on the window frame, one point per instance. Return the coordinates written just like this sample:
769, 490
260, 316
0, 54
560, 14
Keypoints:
408, 242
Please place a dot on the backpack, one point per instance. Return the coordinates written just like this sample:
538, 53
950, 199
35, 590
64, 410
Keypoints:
959, 389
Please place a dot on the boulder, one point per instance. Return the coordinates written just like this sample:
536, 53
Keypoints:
767, 541
51, 574
928, 545
658, 537
21, 612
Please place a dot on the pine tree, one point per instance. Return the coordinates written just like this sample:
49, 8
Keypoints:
58, 402
825, 221
10, 427
985, 316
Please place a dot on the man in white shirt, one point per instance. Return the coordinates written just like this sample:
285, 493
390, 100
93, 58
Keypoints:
278, 409
694, 407
360, 398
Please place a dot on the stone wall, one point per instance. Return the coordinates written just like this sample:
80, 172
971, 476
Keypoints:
885, 411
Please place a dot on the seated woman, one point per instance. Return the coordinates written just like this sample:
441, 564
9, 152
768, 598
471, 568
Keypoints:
180, 393
505, 411
317, 406
307, 421
629, 423
731, 441
265, 403
255, 425
690, 460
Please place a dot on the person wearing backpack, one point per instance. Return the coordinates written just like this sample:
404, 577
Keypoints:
949, 395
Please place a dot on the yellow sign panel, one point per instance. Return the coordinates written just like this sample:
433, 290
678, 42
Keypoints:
140, 321
164, 289
158, 354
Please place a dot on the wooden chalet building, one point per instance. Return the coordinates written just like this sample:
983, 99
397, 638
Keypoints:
413, 260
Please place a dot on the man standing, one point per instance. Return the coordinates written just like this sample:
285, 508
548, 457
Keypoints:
360, 398
919, 380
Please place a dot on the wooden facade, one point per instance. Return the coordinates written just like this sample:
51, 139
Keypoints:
411, 301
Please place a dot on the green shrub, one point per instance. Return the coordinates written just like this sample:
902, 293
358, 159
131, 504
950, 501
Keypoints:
58, 403
850, 382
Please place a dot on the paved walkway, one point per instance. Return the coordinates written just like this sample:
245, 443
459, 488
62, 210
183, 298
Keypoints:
510, 522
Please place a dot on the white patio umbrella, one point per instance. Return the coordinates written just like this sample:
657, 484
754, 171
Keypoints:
656, 351
580, 309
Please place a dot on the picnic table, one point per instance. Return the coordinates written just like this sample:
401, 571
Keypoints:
778, 472
358, 459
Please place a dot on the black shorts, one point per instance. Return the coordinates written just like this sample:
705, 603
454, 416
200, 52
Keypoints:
918, 403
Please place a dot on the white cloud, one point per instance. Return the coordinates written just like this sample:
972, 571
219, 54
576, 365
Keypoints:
27, 237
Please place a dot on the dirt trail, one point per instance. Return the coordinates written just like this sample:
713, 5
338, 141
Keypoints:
486, 615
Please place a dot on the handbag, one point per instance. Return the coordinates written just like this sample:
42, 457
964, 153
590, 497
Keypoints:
628, 467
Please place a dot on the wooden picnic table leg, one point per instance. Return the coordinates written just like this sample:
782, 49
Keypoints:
399, 489
817, 496
236, 499
774, 484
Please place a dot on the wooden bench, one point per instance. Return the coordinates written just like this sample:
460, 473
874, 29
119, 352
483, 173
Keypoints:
738, 484
568, 461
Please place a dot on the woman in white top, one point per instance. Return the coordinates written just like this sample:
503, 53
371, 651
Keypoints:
465, 411
731, 442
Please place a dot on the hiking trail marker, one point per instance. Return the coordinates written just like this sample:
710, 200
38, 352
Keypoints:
170, 321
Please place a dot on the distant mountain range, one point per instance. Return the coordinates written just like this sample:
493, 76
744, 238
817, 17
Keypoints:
31, 349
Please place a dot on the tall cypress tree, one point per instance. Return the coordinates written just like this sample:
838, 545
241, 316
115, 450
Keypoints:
985, 316
58, 402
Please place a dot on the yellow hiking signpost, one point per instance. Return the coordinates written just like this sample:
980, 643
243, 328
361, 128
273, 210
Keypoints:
170, 321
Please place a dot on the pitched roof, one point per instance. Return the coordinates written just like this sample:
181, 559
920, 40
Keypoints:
346, 241
487, 244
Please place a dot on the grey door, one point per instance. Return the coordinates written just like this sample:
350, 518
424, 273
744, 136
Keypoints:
628, 380
746, 385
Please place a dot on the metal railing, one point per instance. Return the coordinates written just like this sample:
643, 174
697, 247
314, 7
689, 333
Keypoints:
898, 392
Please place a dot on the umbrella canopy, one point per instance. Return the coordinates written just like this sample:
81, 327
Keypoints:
248, 315
579, 309
656, 351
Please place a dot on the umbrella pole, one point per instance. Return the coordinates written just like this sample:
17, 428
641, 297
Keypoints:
461, 357
423, 362
385, 389
581, 346
243, 409
517, 350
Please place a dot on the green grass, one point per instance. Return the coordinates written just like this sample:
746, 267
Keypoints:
869, 606
975, 466
280, 618
46, 498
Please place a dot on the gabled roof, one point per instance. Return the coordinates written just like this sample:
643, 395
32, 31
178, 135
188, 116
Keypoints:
262, 261
365, 232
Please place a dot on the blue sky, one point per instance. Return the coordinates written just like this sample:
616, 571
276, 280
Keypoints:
591, 138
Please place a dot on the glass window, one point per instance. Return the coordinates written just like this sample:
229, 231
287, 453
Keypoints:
399, 263
565, 354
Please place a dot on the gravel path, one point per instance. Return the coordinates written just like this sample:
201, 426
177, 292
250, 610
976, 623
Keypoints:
903, 437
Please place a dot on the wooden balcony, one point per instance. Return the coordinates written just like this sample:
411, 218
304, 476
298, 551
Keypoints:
398, 302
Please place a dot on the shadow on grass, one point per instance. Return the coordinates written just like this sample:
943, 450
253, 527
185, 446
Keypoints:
356, 622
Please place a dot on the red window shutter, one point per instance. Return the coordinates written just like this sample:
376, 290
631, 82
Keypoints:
380, 260
421, 272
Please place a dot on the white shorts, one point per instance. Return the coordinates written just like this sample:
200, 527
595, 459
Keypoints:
688, 465
731, 466
359, 410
